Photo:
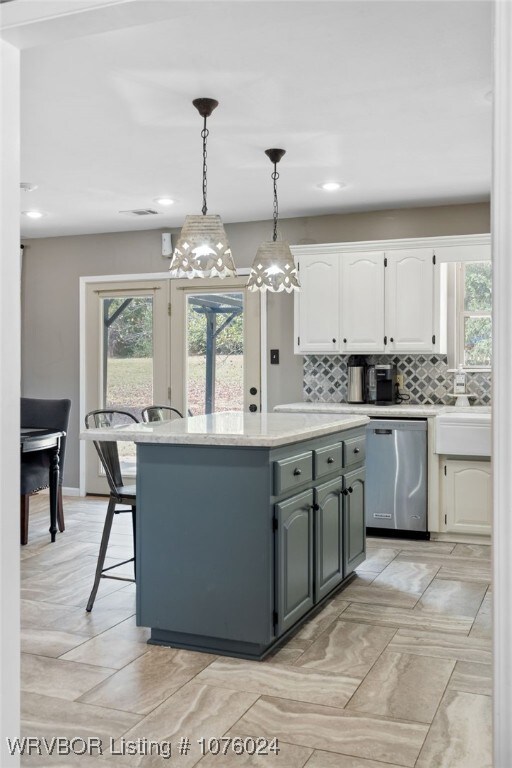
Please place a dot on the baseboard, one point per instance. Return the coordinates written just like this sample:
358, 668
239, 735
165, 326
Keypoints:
461, 538
66, 491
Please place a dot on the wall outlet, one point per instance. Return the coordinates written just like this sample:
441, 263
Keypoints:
400, 380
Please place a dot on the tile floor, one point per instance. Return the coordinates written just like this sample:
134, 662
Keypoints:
394, 671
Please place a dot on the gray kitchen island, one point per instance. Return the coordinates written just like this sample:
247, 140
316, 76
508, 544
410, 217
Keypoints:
246, 523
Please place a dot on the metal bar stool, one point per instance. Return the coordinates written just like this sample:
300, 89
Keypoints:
119, 492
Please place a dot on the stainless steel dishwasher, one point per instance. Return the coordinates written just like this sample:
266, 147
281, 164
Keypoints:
396, 475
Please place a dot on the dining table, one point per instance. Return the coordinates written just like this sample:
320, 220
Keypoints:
36, 439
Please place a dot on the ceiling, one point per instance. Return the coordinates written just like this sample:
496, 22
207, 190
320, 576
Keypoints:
394, 99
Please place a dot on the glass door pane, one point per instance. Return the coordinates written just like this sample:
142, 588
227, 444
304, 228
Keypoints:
214, 352
127, 346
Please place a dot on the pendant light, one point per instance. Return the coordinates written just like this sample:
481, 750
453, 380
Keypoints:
273, 268
203, 249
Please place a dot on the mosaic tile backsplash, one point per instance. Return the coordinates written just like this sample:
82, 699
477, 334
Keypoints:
426, 379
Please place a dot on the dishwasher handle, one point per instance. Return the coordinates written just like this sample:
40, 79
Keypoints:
382, 431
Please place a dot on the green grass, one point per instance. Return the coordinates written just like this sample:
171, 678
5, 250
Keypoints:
130, 383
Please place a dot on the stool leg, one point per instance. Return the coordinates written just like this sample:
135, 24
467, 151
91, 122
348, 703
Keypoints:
103, 551
60, 511
24, 506
134, 544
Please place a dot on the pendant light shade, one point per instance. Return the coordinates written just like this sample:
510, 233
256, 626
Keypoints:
203, 249
273, 268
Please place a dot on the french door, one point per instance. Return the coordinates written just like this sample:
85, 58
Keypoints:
192, 344
215, 345
126, 358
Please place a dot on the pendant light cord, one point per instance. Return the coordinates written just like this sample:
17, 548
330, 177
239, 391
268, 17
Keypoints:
204, 134
275, 177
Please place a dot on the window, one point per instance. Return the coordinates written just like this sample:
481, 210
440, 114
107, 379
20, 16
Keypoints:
473, 314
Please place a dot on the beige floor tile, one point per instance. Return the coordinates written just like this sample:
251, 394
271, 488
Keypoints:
195, 711
460, 736
321, 621
377, 559
57, 678
149, 680
347, 648
403, 687
473, 550
399, 585
110, 649
451, 567
321, 759
411, 545
285, 682
336, 730
440, 645
45, 716
452, 598
401, 617
49, 642
289, 756
472, 678
284, 655
482, 626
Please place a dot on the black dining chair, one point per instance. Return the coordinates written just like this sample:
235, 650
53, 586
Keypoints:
160, 413
40, 413
120, 493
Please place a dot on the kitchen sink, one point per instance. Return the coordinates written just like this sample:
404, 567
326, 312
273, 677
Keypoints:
463, 434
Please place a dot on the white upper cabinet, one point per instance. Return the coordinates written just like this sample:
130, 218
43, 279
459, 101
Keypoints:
409, 291
362, 302
317, 304
377, 296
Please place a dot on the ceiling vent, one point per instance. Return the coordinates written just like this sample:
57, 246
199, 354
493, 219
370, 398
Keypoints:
142, 212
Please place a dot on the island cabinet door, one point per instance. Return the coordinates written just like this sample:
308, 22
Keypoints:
328, 537
354, 529
294, 559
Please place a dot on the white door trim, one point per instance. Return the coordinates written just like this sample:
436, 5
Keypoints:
90, 279
502, 376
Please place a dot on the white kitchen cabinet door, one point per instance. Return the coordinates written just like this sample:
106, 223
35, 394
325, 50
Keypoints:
317, 305
466, 496
362, 303
409, 279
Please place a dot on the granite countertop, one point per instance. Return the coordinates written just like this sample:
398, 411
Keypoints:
268, 430
399, 410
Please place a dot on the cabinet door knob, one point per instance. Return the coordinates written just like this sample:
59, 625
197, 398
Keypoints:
315, 507
350, 489
330, 460
253, 391
334, 341
357, 450
391, 339
253, 408
344, 341
345, 492
297, 471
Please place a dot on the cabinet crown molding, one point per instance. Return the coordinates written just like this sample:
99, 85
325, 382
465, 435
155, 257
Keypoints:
389, 245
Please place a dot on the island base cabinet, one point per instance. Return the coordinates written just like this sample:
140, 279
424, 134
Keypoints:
294, 559
354, 522
328, 510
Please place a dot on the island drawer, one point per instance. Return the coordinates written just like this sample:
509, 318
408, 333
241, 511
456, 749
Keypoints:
328, 460
354, 451
292, 472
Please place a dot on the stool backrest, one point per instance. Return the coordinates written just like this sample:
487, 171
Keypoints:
160, 413
107, 449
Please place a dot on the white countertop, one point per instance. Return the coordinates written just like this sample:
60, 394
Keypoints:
268, 430
400, 411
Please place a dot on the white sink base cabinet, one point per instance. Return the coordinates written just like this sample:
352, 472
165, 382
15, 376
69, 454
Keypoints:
466, 496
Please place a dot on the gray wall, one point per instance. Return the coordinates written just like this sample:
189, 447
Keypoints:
52, 267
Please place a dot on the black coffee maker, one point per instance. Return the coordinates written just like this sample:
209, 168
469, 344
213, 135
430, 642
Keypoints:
381, 384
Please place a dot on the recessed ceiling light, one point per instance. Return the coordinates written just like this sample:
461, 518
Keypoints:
27, 186
164, 200
332, 186
33, 214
